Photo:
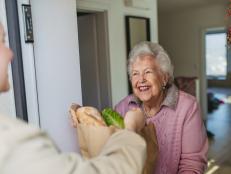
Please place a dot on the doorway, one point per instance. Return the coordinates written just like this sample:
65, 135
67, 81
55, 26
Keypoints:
94, 59
218, 95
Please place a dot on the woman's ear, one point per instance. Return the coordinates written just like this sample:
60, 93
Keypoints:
165, 79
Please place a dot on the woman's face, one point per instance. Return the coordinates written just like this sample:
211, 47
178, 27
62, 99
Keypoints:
147, 79
5, 59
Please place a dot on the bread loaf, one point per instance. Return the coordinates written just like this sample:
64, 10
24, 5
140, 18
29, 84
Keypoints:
86, 115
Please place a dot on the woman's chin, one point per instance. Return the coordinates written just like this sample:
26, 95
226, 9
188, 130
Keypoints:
144, 98
5, 87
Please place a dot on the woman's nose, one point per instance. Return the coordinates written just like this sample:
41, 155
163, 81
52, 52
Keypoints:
142, 78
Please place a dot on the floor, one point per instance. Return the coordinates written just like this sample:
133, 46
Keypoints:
219, 123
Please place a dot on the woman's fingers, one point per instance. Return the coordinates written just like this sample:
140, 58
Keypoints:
134, 119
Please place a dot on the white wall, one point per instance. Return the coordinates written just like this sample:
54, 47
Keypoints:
7, 103
181, 34
117, 38
57, 67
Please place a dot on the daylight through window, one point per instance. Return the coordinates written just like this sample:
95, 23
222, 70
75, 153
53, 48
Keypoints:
216, 55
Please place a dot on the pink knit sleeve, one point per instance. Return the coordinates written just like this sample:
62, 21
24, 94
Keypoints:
194, 143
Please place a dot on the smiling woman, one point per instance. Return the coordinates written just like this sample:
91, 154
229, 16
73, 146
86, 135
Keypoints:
181, 135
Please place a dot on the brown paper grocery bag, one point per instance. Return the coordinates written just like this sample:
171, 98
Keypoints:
92, 138
149, 134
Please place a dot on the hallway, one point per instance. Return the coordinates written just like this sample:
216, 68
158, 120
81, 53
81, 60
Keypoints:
219, 123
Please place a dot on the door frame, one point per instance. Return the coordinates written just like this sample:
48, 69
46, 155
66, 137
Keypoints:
103, 53
203, 78
17, 63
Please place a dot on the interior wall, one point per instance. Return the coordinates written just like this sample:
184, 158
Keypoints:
57, 67
181, 34
117, 39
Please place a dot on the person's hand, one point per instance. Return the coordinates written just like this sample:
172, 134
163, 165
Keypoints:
134, 120
72, 116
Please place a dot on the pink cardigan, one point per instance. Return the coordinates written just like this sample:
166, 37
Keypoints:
181, 134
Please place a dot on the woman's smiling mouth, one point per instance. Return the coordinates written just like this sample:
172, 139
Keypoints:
143, 88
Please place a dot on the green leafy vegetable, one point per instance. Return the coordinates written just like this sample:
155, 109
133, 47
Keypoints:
111, 117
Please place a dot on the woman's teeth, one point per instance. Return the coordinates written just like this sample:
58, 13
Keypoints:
143, 88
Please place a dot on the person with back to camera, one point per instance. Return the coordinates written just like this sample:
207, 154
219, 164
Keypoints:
181, 135
27, 150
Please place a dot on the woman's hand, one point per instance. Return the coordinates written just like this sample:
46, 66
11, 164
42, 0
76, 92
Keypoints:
134, 120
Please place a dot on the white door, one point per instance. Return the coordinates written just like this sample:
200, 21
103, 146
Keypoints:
57, 67
51, 68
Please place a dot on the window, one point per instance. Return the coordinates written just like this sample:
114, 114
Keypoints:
216, 55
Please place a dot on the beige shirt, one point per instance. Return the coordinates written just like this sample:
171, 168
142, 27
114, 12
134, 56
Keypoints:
27, 150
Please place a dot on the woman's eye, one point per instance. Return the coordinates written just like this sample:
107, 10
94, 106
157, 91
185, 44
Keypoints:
134, 74
148, 72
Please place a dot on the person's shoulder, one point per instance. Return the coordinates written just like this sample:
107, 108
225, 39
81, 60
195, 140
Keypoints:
186, 96
123, 106
125, 100
187, 106
186, 99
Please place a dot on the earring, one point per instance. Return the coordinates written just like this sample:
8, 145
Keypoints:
163, 86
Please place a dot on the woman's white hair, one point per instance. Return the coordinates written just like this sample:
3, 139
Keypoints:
157, 52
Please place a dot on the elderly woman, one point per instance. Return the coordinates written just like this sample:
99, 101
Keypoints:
181, 134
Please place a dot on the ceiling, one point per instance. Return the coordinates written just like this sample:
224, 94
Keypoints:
173, 5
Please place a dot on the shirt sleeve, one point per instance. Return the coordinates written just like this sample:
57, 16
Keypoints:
34, 152
194, 143
124, 153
